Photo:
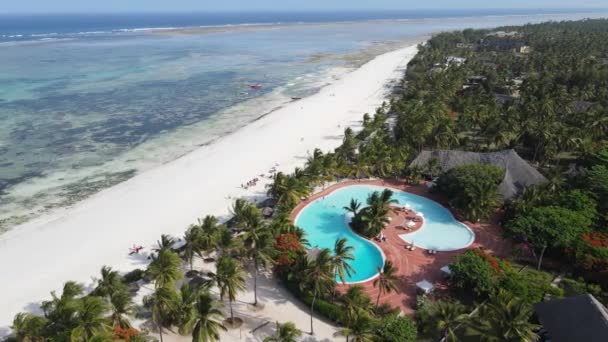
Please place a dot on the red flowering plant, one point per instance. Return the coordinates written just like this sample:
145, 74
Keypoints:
596, 239
288, 246
489, 259
125, 334
591, 252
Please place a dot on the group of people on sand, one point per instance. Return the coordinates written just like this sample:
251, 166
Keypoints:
250, 183
255, 180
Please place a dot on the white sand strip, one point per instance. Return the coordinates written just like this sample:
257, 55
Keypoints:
39, 256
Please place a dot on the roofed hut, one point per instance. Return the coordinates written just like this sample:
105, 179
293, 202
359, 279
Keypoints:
519, 174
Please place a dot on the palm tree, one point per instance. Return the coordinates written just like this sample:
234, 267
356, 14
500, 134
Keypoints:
319, 275
29, 328
185, 306
110, 282
205, 320
342, 256
242, 213
164, 268
361, 327
505, 318
259, 249
165, 242
374, 217
163, 304
90, 319
210, 234
61, 310
287, 190
192, 246
230, 279
121, 308
353, 207
354, 300
286, 332
446, 318
386, 280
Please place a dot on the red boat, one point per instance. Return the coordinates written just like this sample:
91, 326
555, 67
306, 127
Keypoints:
255, 86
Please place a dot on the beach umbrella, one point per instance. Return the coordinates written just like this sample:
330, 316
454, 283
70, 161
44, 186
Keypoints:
446, 270
313, 253
197, 281
192, 273
348, 217
410, 224
419, 214
267, 212
408, 206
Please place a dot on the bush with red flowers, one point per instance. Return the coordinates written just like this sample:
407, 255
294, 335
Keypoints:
288, 246
125, 334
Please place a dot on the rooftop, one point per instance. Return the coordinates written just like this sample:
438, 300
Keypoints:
579, 318
518, 173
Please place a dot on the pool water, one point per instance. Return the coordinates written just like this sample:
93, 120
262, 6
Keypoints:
324, 222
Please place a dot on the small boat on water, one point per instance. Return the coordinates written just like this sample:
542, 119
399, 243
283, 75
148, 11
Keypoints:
296, 98
256, 86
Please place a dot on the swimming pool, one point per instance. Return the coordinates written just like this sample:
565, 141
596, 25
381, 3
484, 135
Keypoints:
324, 222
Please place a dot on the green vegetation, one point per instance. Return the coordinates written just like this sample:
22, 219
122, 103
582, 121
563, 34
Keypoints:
472, 189
284, 333
372, 219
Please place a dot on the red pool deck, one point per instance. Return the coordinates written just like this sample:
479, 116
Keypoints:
414, 266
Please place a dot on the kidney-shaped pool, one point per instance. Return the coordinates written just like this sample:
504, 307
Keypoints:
324, 221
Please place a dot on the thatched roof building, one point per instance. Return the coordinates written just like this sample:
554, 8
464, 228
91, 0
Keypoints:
578, 318
518, 173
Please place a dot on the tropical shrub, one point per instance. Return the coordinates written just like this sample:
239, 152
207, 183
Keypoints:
574, 287
472, 189
475, 270
333, 312
528, 285
397, 329
548, 227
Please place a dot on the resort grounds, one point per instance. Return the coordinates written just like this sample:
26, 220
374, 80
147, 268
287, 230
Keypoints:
417, 265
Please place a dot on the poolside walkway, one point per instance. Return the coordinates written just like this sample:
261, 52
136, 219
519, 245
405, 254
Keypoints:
414, 266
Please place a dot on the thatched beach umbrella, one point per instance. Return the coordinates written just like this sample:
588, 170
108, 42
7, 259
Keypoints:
197, 281
313, 254
267, 212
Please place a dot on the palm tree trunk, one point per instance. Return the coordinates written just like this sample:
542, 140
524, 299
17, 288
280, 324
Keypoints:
160, 331
231, 313
312, 307
378, 299
255, 282
540, 258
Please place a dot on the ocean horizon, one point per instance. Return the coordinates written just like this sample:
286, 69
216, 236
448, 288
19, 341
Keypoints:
88, 101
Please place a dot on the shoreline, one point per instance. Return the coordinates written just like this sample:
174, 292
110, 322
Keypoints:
99, 230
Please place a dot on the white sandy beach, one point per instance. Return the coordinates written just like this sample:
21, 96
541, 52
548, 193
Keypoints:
40, 256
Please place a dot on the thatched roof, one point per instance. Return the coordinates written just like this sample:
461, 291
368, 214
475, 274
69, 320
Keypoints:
313, 253
518, 173
578, 318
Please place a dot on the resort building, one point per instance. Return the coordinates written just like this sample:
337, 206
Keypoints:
455, 60
579, 318
518, 173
